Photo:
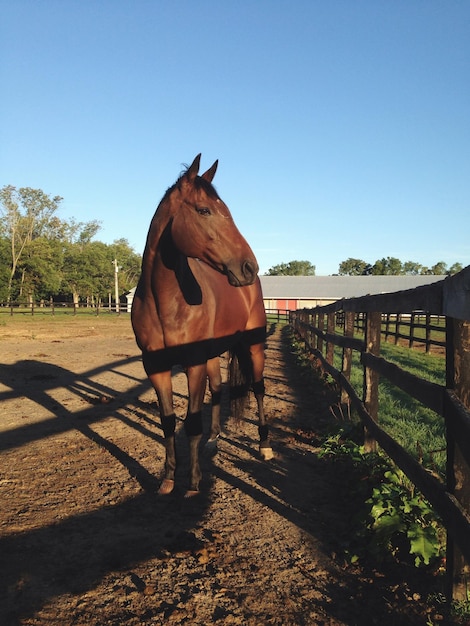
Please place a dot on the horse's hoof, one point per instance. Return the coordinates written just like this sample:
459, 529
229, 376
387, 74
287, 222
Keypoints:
191, 493
266, 453
211, 446
166, 487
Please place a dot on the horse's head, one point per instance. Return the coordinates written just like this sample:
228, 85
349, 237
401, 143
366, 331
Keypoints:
203, 228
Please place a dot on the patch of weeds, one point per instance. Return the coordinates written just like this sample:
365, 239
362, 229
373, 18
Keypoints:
393, 520
402, 522
458, 610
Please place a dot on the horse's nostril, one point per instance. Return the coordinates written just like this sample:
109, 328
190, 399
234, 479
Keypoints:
249, 270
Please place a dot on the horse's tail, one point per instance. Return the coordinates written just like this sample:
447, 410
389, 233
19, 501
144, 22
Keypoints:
240, 378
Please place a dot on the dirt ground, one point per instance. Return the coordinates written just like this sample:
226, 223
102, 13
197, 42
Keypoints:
85, 540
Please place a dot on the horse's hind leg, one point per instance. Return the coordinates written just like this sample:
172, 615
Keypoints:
197, 376
215, 386
257, 359
162, 385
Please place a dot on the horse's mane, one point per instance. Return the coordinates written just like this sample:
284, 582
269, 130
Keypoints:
199, 183
202, 183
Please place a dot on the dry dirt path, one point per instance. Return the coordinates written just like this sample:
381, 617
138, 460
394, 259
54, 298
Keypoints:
85, 539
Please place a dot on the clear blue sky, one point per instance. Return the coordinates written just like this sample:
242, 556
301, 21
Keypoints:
342, 127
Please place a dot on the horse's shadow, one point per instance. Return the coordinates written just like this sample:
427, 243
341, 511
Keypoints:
73, 555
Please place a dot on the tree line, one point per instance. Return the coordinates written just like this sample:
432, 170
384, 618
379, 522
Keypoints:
389, 266
44, 257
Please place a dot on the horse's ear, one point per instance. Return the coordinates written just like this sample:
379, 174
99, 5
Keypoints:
193, 169
209, 175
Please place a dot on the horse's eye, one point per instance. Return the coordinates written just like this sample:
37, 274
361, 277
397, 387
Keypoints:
202, 210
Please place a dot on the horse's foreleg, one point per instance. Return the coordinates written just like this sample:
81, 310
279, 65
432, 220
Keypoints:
197, 375
162, 385
257, 359
215, 386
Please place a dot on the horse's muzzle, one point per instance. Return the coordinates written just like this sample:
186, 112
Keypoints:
245, 276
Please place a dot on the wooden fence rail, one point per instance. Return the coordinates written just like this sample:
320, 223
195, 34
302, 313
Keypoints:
277, 315
450, 298
404, 327
51, 307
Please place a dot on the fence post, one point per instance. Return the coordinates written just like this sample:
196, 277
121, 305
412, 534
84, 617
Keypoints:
347, 353
458, 471
397, 327
312, 319
321, 326
371, 378
387, 327
330, 347
428, 332
412, 329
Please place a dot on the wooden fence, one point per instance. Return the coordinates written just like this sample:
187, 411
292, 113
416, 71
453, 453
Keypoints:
450, 299
51, 308
415, 329
278, 315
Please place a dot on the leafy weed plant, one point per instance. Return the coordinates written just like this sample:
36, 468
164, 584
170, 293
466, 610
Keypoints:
393, 520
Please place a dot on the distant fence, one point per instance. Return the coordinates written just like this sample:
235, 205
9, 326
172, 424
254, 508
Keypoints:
278, 315
415, 328
448, 301
50, 308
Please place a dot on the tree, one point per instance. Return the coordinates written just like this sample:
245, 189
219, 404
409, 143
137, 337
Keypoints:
88, 271
393, 266
389, 266
129, 263
455, 269
354, 267
439, 269
410, 267
41, 269
293, 268
80, 233
37, 241
4, 271
26, 215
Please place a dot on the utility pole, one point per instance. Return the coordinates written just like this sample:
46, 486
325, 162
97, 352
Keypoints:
116, 284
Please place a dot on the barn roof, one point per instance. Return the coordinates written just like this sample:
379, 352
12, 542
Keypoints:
336, 287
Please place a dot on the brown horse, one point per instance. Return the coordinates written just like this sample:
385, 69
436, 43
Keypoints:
198, 296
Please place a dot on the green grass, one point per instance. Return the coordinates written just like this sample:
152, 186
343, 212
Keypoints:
419, 430
427, 366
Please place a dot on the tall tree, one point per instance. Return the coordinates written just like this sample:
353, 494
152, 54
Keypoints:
26, 214
411, 267
4, 264
88, 271
439, 269
129, 263
293, 268
455, 269
388, 266
41, 269
354, 267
